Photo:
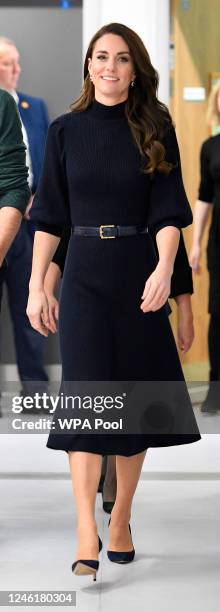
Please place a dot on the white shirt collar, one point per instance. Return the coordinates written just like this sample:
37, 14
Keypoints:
15, 96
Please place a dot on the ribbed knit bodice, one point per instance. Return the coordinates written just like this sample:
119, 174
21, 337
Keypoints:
92, 175
103, 168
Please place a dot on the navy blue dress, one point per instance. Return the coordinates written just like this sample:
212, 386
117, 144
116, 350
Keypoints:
92, 176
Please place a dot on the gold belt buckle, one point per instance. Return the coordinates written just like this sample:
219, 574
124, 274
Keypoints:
101, 232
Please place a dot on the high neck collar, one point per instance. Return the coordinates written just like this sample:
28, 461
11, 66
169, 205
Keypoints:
102, 111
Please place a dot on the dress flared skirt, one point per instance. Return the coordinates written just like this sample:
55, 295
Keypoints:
105, 336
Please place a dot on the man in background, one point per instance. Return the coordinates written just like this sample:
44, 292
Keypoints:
14, 189
29, 344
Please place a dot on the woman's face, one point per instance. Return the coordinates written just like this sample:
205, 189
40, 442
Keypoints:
111, 68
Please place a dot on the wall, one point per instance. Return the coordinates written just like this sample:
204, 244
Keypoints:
50, 44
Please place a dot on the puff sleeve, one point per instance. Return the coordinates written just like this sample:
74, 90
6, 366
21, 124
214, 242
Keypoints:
181, 280
206, 186
50, 209
168, 201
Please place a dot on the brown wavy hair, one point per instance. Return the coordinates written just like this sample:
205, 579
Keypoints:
148, 118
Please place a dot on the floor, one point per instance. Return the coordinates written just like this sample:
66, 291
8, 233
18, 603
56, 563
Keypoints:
175, 528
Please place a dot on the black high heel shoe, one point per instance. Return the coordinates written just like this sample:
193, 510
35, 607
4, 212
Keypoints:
83, 567
121, 557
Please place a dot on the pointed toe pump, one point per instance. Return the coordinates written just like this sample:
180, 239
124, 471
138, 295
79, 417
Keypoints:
121, 557
84, 567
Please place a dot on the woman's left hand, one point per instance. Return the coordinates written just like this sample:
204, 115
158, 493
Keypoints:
157, 289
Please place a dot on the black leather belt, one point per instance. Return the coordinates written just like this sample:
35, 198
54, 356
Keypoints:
109, 231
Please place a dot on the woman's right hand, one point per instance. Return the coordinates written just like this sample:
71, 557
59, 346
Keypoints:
194, 258
38, 311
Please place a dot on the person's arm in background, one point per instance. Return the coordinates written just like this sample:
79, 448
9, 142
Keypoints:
14, 190
52, 279
203, 207
201, 216
185, 327
10, 220
45, 245
181, 290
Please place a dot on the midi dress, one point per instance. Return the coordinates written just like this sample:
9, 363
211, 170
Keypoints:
92, 176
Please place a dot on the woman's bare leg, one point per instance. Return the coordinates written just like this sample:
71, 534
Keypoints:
128, 471
85, 471
110, 482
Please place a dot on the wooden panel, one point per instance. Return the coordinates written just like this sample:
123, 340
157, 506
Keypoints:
195, 34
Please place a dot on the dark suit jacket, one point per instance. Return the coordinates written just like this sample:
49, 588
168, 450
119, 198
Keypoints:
35, 118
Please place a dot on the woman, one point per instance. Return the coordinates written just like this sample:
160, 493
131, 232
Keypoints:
181, 290
98, 171
209, 200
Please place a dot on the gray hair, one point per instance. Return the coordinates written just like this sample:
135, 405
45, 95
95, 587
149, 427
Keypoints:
6, 41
